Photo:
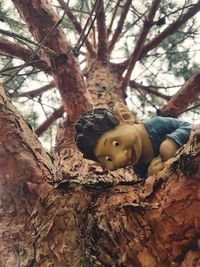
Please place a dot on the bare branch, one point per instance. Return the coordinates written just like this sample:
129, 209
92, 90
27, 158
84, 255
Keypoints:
45, 125
183, 98
17, 36
120, 25
140, 42
36, 92
77, 26
15, 50
102, 52
113, 17
22, 38
149, 90
171, 29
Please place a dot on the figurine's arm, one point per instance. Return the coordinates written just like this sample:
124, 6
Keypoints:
173, 141
168, 149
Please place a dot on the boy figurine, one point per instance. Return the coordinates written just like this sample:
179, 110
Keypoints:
113, 139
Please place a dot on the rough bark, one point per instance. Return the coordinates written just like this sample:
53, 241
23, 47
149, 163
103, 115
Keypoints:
93, 223
80, 215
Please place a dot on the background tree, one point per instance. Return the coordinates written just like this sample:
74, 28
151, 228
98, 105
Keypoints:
65, 211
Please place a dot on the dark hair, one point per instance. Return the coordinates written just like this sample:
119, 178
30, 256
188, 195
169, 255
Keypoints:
90, 127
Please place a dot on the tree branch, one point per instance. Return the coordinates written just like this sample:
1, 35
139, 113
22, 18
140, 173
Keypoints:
36, 92
102, 51
183, 98
120, 25
113, 17
171, 29
77, 26
148, 23
149, 90
15, 50
45, 125
41, 19
20, 149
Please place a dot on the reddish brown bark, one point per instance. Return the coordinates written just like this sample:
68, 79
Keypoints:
91, 222
86, 219
113, 17
183, 98
13, 128
102, 51
64, 65
169, 30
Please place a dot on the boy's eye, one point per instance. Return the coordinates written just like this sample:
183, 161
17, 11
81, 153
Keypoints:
115, 143
108, 158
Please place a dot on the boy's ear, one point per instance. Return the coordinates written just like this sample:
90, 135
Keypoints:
123, 114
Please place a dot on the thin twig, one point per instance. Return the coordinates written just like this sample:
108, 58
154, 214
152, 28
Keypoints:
77, 25
36, 92
113, 17
149, 89
45, 125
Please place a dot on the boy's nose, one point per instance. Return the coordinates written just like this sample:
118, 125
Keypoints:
120, 159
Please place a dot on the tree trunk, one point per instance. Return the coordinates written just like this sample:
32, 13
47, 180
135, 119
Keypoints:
69, 212
93, 224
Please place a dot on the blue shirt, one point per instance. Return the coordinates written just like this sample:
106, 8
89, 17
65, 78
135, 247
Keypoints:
159, 129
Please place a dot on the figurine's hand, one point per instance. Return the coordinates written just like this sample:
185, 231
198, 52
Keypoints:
155, 166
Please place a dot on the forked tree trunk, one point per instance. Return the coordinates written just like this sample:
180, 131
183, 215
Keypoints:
88, 218
93, 224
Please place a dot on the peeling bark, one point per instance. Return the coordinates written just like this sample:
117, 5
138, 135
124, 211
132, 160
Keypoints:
19, 144
91, 223
80, 215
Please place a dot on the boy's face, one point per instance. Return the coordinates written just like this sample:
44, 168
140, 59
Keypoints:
119, 147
